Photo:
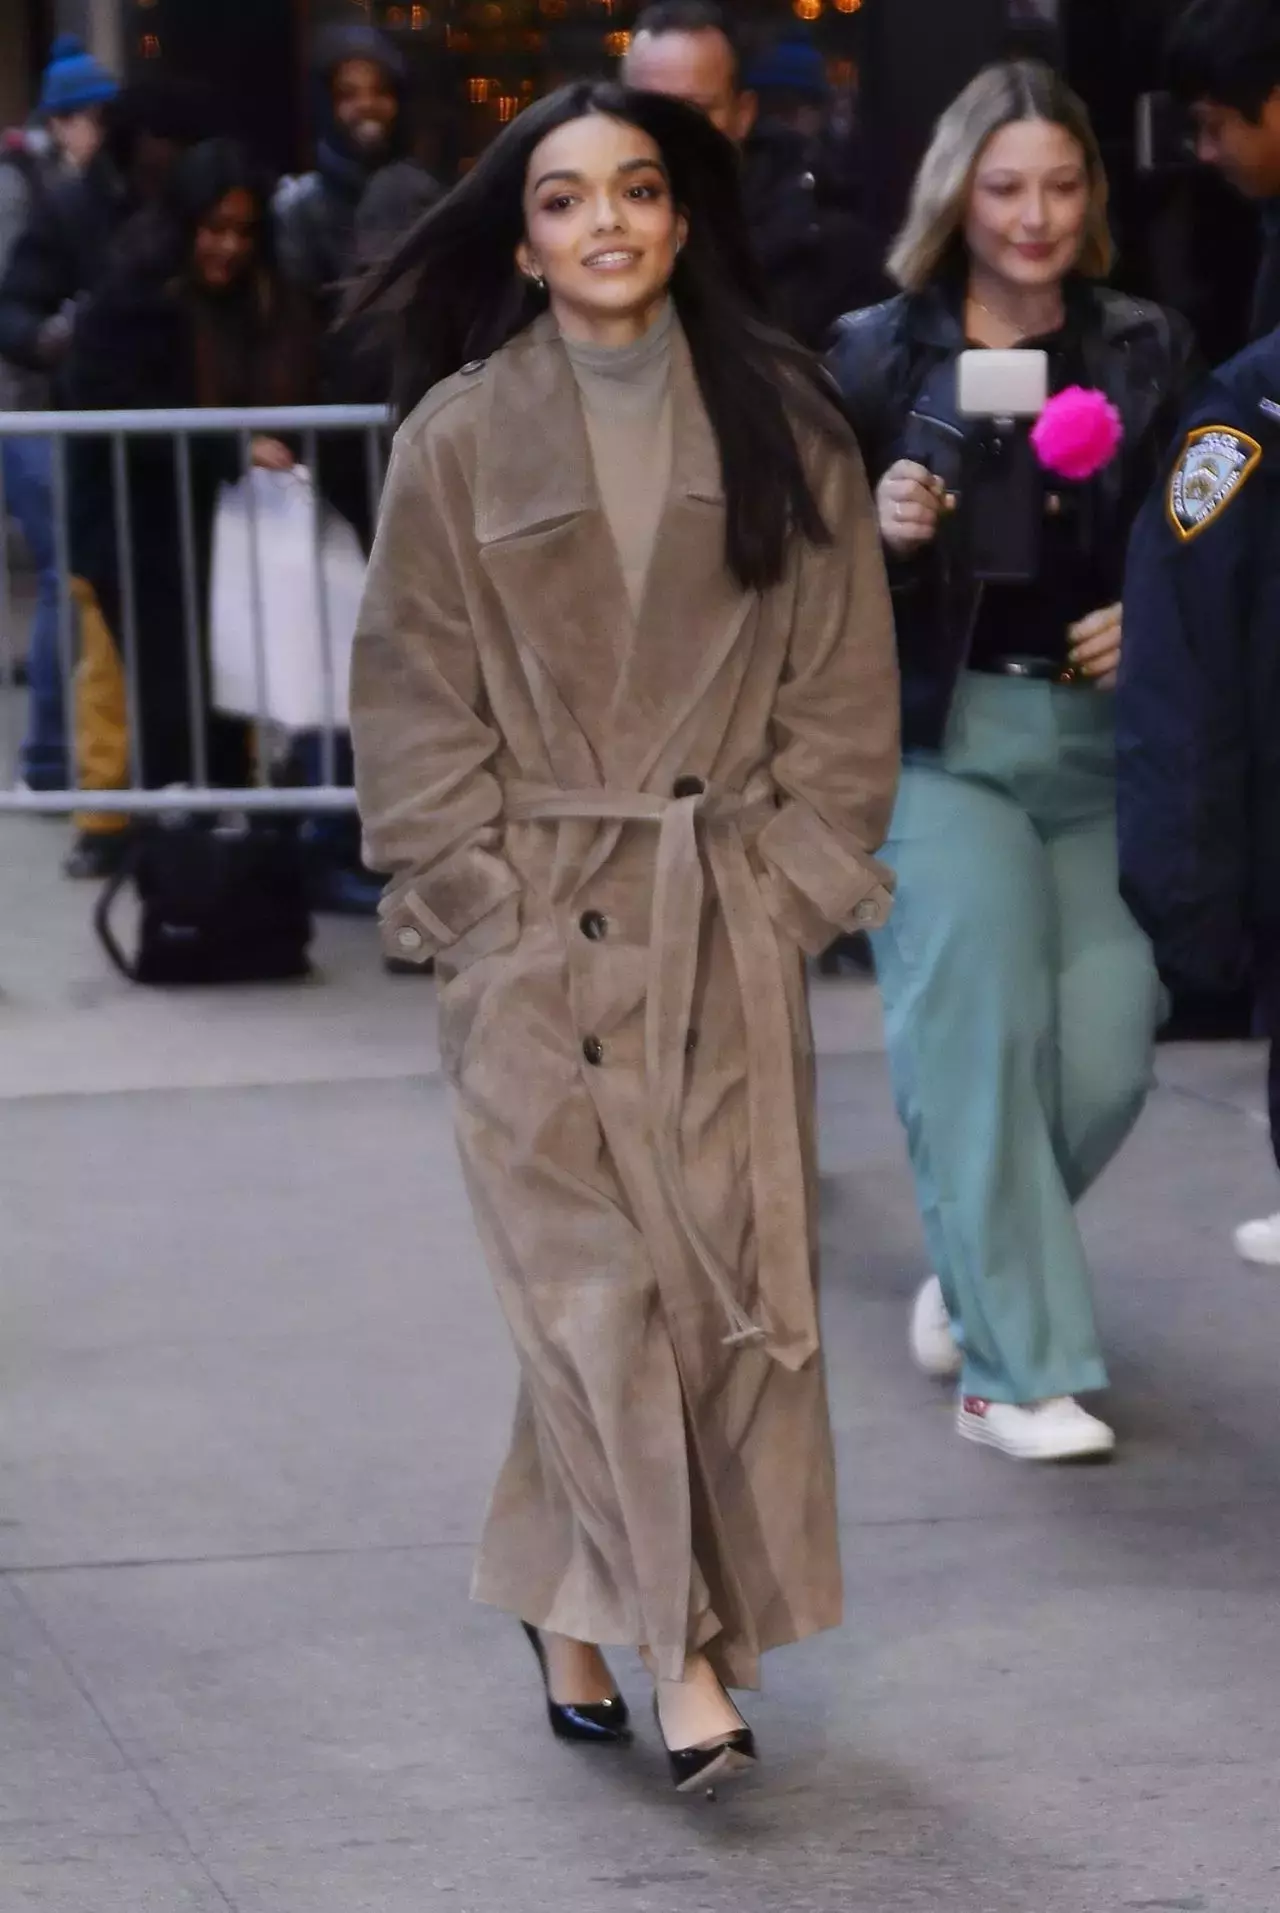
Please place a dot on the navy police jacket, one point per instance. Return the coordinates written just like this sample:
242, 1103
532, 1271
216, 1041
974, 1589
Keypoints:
1198, 703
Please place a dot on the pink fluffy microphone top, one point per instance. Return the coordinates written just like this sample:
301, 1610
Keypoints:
1078, 433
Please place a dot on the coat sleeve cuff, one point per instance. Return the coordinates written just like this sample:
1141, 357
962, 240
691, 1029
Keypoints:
815, 888
451, 910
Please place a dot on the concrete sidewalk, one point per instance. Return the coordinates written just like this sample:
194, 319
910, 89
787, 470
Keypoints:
254, 1389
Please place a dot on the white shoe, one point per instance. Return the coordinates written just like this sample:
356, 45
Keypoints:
930, 1336
1054, 1430
1260, 1241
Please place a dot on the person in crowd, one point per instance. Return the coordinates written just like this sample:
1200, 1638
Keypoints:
1020, 996
619, 861
362, 130
33, 164
1224, 63
819, 255
1199, 710
192, 311
57, 261
393, 202
65, 248
361, 161
819, 260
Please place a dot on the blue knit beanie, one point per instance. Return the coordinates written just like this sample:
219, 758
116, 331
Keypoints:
73, 80
792, 65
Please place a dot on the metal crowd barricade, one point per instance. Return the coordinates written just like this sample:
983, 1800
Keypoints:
309, 424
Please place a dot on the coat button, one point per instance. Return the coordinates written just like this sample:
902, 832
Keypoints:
593, 1050
688, 786
593, 926
410, 939
691, 1042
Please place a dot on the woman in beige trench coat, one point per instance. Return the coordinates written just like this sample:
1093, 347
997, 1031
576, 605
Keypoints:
625, 714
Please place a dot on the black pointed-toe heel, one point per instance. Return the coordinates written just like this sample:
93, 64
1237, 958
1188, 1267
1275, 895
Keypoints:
606, 1722
701, 1769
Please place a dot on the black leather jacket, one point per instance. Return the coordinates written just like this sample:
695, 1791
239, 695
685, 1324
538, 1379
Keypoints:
895, 366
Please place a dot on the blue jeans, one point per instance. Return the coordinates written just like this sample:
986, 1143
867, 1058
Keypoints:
28, 487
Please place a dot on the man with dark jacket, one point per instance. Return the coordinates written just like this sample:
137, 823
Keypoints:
818, 261
361, 130
328, 224
1224, 63
1198, 710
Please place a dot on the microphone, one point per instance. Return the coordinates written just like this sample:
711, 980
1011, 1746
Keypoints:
1001, 503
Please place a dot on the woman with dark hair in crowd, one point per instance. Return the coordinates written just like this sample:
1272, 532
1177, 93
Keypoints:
1020, 996
624, 709
192, 312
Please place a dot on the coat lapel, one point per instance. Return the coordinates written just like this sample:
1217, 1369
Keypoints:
546, 546
613, 692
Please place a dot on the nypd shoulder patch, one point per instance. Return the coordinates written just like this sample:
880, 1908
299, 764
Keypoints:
1212, 466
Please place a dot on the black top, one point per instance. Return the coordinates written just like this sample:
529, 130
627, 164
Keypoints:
895, 366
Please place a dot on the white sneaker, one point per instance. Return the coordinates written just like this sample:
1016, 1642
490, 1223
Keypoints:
1260, 1241
1054, 1430
930, 1336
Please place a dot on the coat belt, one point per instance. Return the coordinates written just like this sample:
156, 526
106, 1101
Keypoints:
787, 1322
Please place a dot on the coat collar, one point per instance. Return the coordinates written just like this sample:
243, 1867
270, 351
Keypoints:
935, 317
534, 466
628, 684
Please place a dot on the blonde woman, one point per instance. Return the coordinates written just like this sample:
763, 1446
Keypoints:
1020, 996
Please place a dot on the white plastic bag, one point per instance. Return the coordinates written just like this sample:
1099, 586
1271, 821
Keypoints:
295, 692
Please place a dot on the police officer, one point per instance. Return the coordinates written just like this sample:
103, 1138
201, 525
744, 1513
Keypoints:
1199, 709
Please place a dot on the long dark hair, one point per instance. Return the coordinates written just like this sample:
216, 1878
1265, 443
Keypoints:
162, 237
455, 283
254, 344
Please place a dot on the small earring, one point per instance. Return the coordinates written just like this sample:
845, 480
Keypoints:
537, 279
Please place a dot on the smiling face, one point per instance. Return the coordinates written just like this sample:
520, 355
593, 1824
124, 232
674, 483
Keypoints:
601, 228
365, 104
1028, 208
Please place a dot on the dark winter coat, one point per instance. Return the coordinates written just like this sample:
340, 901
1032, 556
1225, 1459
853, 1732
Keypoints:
147, 341
817, 260
1265, 316
316, 216
1198, 702
895, 366
62, 254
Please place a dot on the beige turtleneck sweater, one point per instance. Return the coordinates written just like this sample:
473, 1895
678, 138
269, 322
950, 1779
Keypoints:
626, 399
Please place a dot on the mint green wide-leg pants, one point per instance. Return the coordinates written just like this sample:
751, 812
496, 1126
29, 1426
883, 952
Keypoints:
1021, 1003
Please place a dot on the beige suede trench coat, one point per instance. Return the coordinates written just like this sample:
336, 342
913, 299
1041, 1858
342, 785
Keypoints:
617, 835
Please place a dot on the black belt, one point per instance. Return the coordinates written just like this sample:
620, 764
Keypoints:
1042, 670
